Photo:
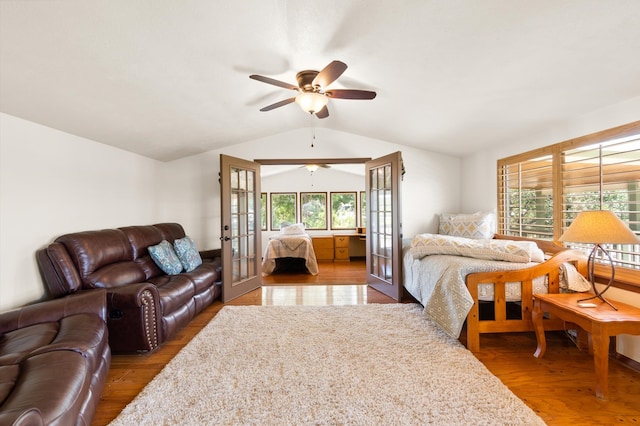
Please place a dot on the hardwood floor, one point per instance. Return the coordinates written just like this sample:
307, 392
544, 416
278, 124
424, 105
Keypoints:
558, 387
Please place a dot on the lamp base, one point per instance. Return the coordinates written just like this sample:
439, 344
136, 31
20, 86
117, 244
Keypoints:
598, 296
591, 268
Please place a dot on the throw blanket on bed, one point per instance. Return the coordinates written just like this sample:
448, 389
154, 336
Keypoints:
438, 283
436, 267
506, 250
289, 246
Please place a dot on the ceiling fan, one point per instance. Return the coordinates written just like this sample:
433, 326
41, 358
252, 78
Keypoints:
313, 94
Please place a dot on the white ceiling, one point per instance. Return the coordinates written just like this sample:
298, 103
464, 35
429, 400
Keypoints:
167, 79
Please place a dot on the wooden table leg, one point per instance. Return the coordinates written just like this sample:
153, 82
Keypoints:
600, 342
537, 317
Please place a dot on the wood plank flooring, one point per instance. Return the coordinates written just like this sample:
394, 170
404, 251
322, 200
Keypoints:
559, 387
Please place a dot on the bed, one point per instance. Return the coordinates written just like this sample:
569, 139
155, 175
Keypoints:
459, 279
289, 249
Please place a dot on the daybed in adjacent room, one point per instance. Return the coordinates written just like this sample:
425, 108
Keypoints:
455, 278
156, 280
289, 249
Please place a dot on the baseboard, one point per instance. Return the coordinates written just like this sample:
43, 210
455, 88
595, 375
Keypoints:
622, 359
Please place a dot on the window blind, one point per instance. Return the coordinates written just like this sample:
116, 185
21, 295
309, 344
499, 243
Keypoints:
605, 176
526, 198
542, 191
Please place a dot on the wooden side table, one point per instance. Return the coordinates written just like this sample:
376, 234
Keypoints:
601, 321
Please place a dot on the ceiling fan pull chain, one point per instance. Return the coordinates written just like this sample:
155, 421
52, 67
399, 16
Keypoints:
313, 131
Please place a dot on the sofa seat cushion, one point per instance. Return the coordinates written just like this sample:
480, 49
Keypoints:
175, 291
17, 344
203, 276
55, 382
82, 333
85, 334
115, 275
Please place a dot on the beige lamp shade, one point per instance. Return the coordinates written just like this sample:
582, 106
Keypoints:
599, 227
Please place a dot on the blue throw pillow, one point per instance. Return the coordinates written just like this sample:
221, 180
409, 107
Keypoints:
187, 253
166, 258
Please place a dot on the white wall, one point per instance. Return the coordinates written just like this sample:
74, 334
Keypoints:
479, 176
430, 186
52, 183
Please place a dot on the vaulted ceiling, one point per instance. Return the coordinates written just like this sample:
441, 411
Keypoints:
167, 79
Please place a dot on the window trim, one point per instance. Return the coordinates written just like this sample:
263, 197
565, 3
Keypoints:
626, 278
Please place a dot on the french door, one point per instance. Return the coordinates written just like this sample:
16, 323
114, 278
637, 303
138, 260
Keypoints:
384, 224
240, 233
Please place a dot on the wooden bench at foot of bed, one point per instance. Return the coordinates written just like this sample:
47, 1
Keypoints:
503, 323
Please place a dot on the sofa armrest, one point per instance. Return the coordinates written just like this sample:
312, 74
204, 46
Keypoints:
89, 302
134, 318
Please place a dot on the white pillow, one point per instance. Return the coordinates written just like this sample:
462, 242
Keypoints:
468, 225
295, 229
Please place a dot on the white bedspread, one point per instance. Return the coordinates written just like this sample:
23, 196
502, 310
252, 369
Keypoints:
289, 246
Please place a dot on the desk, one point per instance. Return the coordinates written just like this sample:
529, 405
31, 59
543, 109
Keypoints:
348, 246
601, 321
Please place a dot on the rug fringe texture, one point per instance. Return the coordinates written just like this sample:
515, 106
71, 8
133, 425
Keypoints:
325, 365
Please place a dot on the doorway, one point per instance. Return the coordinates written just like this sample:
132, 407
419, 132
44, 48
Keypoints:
312, 191
383, 238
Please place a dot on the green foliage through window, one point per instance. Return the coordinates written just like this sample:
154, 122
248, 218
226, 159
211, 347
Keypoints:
343, 210
313, 210
283, 209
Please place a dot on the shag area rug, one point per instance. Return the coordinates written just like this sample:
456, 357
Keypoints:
325, 365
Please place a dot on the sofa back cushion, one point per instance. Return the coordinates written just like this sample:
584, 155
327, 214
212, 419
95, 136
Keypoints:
92, 250
141, 237
170, 231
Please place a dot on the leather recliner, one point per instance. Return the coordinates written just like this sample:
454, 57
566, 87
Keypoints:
54, 361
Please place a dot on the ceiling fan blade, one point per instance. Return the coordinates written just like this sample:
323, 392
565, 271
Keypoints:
273, 81
329, 74
323, 113
277, 104
350, 94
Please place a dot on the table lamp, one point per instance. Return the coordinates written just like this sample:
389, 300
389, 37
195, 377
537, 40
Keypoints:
599, 227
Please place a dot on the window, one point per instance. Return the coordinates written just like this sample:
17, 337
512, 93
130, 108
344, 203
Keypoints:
343, 210
283, 209
542, 191
313, 210
527, 198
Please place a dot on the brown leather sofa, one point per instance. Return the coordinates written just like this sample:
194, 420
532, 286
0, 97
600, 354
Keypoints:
54, 360
145, 306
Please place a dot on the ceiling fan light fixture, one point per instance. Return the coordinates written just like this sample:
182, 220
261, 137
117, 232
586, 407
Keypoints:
311, 167
311, 102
